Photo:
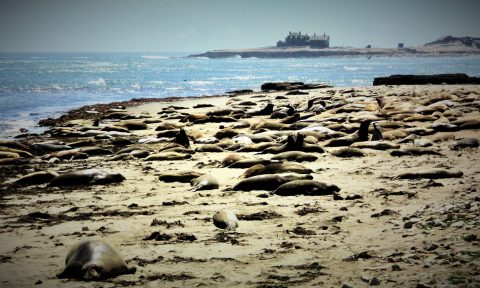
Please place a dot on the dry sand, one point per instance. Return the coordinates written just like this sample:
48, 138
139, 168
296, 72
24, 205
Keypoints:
425, 233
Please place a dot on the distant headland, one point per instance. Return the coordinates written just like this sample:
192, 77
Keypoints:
298, 45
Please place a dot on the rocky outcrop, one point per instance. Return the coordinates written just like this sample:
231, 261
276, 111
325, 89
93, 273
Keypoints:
459, 78
451, 40
286, 86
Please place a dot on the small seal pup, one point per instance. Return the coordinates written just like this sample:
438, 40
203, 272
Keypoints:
94, 260
305, 187
86, 177
204, 182
225, 219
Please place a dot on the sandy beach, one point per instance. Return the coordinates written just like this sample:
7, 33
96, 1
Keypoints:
381, 228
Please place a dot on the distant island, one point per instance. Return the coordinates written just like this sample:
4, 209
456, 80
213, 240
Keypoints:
298, 45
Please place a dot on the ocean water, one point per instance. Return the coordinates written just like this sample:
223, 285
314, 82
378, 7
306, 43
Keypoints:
36, 86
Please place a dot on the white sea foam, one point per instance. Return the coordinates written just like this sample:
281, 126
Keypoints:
240, 78
98, 82
155, 57
136, 86
199, 83
355, 68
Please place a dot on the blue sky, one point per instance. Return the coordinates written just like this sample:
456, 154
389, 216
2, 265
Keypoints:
196, 26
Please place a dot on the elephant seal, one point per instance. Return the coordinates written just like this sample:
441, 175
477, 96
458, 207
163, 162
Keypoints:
296, 156
21, 153
361, 135
465, 143
305, 187
209, 148
377, 132
267, 110
267, 182
225, 219
86, 177
50, 146
435, 173
230, 159
69, 154
414, 151
348, 152
204, 182
7, 155
94, 260
275, 168
257, 147
375, 145
182, 138
247, 163
13, 145
183, 177
167, 156
40, 177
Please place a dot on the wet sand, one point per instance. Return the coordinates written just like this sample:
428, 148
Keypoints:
379, 229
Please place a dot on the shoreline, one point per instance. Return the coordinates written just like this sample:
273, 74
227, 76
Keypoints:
274, 52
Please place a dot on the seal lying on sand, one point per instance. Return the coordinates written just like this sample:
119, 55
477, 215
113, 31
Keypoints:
267, 182
414, 151
465, 143
183, 177
225, 219
204, 182
431, 174
247, 163
275, 168
230, 159
94, 260
167, 156
305, 187
296, 156
361, 135
39, 177
86, 177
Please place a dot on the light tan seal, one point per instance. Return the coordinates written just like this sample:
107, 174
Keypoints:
225, 219
204, 182
94, 260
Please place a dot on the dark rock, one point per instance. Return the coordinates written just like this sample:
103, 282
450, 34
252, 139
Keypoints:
458, 78
375, 281
396, 267
278, 86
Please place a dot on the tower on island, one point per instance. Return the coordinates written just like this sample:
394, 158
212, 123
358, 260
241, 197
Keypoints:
297, 39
